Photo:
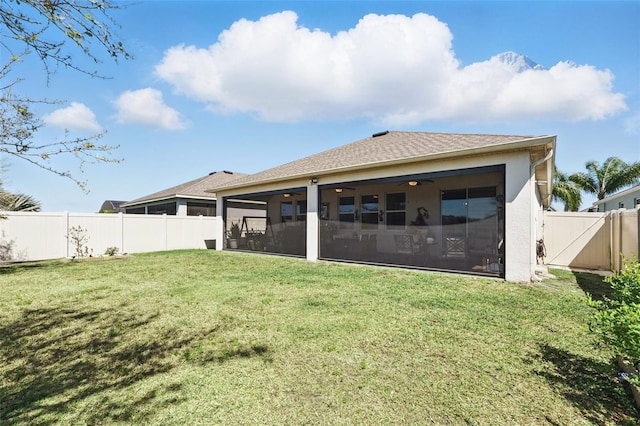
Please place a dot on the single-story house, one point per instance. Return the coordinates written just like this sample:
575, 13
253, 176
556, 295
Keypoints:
187, 199
627, 199
468, 203
111, 206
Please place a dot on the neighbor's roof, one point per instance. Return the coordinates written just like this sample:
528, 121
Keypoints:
621, 194
111, 205
387, 148
194, 189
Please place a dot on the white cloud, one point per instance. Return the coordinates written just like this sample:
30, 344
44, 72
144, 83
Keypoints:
146, 106
76, 116
391, 68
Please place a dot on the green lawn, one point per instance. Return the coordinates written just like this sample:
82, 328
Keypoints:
205, 337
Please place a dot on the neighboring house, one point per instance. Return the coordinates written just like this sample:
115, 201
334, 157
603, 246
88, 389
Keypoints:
454, 202
627, 199
111, 206
187, 199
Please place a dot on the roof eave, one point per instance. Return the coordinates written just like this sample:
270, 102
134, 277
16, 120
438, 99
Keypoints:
617, 195
167, 198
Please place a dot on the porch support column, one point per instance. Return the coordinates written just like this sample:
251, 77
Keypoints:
218, 233
181, 208
313, 224
519, 212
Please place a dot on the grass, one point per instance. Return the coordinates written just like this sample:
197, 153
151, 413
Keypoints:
204, 337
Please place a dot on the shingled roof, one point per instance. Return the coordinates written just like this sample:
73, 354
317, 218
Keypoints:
193, 189
387, 148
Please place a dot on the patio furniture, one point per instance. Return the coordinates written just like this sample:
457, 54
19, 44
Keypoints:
405, 244
455, 246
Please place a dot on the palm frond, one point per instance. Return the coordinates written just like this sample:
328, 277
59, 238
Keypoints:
18, 202
566, 191
608, 178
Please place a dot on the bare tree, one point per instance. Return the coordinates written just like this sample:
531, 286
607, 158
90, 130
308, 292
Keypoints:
54, 31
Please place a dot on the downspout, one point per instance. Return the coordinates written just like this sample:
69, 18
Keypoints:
537, 163
533, 231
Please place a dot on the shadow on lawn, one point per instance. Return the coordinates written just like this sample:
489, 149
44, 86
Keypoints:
10, 268
591, 386
64, 356
593, 284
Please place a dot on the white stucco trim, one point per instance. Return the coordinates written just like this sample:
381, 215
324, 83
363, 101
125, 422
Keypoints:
219, 226
313, 222
519, 226
181, 207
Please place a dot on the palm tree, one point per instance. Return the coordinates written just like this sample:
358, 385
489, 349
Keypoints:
18, 202
613, 176
566, 192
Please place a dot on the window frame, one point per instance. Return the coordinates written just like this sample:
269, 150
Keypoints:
393, 212
347, 224
371, 215
284, 218
301, 216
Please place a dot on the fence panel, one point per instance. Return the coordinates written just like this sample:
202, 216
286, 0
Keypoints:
35, 235
144, 233
629, 233
192, 234
578, 240
592, 240
102, 231
39, 236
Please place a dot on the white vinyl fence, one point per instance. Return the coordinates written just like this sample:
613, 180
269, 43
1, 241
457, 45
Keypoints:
39, 236
592, 240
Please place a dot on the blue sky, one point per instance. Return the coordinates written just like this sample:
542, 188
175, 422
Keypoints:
246, 86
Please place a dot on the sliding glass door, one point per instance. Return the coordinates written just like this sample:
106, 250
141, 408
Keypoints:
472, 223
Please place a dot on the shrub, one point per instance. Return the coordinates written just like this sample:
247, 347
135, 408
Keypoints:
617, 319
6, 250
234, 231
111, 251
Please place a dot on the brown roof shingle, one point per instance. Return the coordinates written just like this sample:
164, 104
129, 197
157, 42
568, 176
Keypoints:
385, 147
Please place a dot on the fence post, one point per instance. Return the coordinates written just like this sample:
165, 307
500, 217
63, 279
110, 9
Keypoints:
166, 229
65, 217
616, 239
638, 233
121, 233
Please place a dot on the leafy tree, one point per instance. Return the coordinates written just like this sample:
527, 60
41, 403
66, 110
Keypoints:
54, 31
566, 191
611, 177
